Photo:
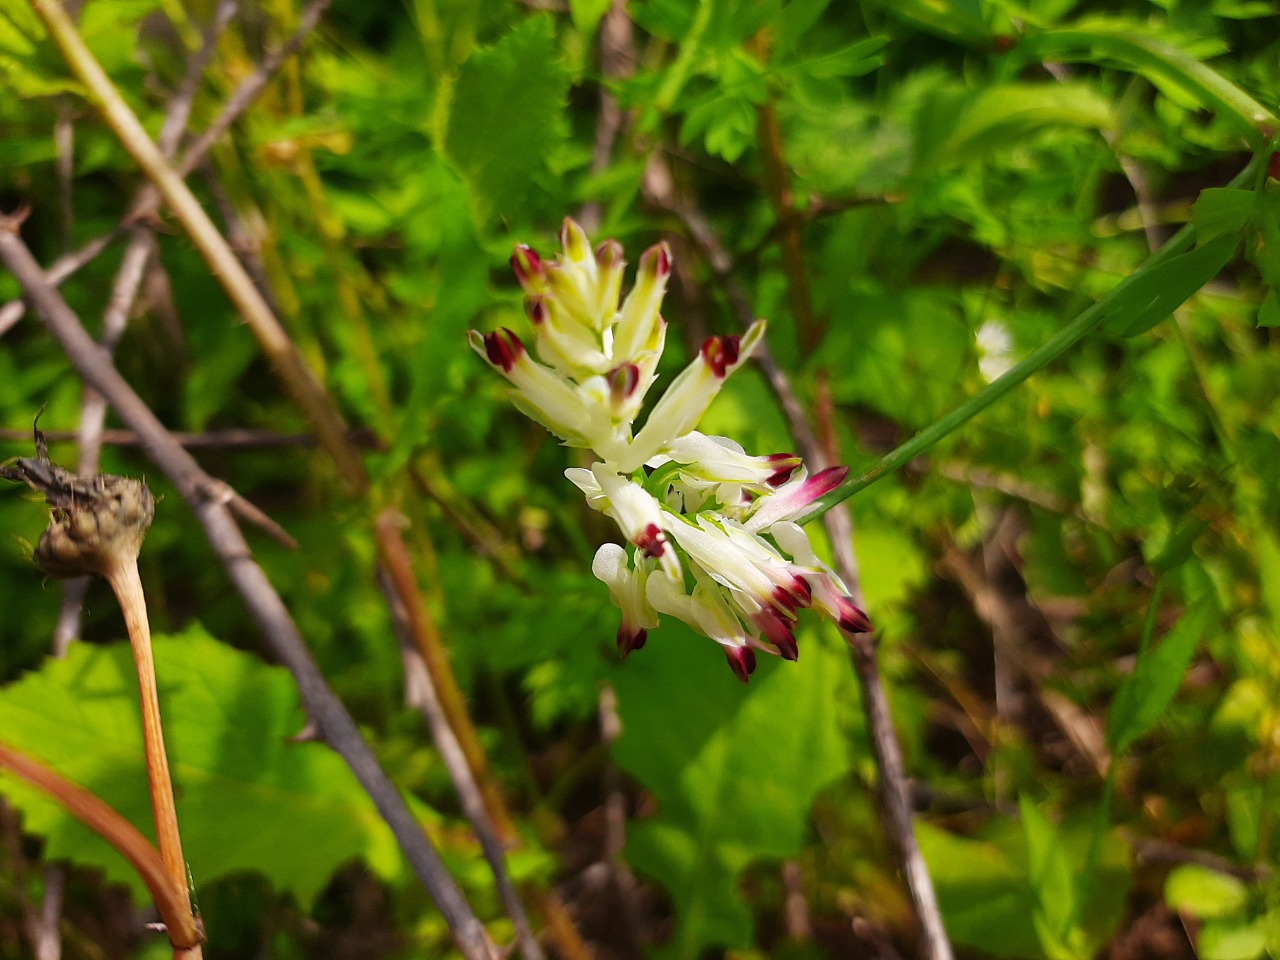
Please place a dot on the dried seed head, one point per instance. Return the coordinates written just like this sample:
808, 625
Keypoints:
98, 522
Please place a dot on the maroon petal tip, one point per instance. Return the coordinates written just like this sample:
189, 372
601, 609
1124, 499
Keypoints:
853, 619
721, 353
623, 380
629, 640
503, 348
742, 661
651, 540
526, 263
824, 481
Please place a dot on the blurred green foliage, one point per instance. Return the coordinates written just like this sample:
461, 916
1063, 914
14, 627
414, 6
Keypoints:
1078, 591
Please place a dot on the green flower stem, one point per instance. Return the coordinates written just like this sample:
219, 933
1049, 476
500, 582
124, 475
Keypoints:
1042, 356
1153, 58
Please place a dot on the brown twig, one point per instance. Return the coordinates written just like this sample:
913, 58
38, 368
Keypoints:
127, 585
252, 87
97, 527
147, 202
296, 376
388, 528
268, 610
170, 897
409, 618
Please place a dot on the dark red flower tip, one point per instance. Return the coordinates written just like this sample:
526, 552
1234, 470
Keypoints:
504, 348
742, 661
1005, 43
797, 595
852, 619
787, 465
629, 640
778, 632
623, 380
788, 649
609, 254
721, 353
824, 481
651, 540
1273, 166
657, 259
538, 310
526, 264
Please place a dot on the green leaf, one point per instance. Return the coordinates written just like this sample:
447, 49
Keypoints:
1004, 115
1148, 691
1269, 310
1203, 893
1052, 885
248, 797
1222, 210
587, 14
1232, 941
1161, 290
982, 891
506, 115
734, 769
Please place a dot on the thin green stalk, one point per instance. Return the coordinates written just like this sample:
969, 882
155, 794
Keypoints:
1154, 58
1042, 356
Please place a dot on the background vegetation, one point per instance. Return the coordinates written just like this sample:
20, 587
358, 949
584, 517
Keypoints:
1078, 592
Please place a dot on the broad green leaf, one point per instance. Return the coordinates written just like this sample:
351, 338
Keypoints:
985, 899
506, 116
1160, 291
1203, 893
1148, 691
1222, 210
734, 769
1222, 940
987, 895
1052, 885
248, 797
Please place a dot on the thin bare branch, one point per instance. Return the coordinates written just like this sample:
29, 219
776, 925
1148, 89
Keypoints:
252, 87
293, 372
396, 579
264, 603
147, 202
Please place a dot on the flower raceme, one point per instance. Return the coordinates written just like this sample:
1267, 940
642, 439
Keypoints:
710, 529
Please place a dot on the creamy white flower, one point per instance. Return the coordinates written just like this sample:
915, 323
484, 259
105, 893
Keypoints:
710, 531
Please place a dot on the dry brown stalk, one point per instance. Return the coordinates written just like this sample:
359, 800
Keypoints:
97, 527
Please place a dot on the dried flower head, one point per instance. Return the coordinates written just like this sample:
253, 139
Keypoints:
710, 529
97, 523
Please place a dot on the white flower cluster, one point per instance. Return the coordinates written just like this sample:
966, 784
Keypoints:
711, 531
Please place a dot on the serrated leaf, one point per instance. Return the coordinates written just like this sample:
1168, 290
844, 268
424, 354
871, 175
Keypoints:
505, 118
1148, 691
1155, 294
248, 798
734, 770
